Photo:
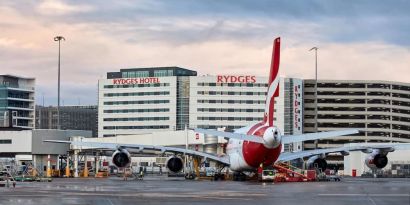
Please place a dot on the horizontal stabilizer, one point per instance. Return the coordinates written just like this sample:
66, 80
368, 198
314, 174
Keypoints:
250, 138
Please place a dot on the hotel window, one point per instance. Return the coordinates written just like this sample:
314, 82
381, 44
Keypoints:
137, 119
6, 141
141, 74
136, 102
131, 74
136, 127
136, 94
160, 73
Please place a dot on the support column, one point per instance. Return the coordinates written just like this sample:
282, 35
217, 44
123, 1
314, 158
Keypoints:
58, 163
97, 164
85, 171
67, 167
48, 166
76, 163
196, 167
35, 161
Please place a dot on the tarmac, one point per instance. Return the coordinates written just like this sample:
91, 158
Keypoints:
164, 190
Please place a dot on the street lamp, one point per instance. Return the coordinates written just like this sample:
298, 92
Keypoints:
316, 127
58, 38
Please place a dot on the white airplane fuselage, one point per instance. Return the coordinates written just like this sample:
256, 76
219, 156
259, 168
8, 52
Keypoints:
248, 156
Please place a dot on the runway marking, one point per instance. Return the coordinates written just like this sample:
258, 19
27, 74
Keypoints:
371, 200
110, 201
377, 195
224, 198
227, 195
127, 195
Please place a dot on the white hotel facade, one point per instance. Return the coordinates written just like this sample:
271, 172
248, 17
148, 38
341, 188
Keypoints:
144, 100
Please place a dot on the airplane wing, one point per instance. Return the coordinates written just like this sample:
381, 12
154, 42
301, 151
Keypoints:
285, 139
115, 146
364, 147
316, 136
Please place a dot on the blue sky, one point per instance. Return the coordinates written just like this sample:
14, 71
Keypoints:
356, 39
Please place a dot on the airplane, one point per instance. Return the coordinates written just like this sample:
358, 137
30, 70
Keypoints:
252, 146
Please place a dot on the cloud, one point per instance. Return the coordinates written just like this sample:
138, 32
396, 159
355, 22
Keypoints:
356, 41
13, 43
354, 61
57, 7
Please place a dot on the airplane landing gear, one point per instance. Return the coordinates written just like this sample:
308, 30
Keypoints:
190, 176
239, 176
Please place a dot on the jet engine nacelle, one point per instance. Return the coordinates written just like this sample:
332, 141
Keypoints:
317, 162
272, 138
121, 158
175, 164
376, 160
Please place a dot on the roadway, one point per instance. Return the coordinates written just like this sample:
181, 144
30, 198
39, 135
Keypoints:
162, 190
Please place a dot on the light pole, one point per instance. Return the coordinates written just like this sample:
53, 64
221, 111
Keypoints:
316, 127
58, 38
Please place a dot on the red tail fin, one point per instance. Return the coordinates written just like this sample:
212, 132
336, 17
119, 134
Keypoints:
273, 89
274, 66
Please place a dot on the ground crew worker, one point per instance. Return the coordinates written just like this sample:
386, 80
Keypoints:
125, 175
141, 176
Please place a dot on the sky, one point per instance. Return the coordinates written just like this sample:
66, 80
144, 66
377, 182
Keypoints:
357, 40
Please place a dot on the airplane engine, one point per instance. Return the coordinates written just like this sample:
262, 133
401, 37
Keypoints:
272, 138
376, 160
316, 162
175, 164
121, 158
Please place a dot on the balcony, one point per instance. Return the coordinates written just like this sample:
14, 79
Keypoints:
21, 99
10, 87
16, 107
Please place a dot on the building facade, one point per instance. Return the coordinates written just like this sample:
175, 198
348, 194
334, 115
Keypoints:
141, 100
153, 99
232, 102
225, 101
17, 102
71, 118
144, 100
380, 109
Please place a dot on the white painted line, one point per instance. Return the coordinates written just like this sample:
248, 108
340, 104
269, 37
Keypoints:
371, 200
387, 195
